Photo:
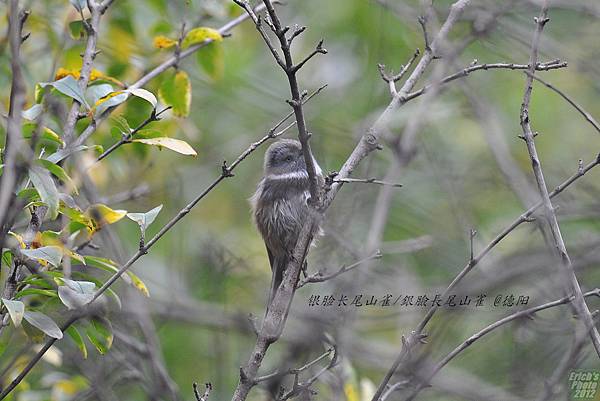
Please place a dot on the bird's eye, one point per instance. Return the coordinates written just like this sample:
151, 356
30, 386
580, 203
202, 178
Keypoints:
288, 159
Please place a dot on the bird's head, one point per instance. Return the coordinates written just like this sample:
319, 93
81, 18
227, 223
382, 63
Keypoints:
285, 158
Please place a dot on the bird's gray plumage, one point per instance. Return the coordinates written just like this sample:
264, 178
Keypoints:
279, 205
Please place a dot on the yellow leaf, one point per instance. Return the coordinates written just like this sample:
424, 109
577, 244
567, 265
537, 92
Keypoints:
351, 393
94, 75
162, 42
102, 215
19, 239
170, 143
199, 35
138, 283
63, 72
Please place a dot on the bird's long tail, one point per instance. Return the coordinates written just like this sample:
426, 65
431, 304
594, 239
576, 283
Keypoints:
277, 268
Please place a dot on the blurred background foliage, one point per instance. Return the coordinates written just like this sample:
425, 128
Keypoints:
211, 270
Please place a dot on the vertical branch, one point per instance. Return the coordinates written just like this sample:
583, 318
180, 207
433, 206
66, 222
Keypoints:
13, 144
290, 68
549, 213
89, 55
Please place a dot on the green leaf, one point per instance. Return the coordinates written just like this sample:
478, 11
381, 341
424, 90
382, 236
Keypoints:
7, 258
97, 92
16, 309
36, 291
44, 184
121, 124
77, 30
51, 254
176, 91
68, 86
58, 172
99, 332
169, 143
212, 60
145, 219
199, 35
46, 133
148, 133
44, 323
77, 339
144, 94
33, 112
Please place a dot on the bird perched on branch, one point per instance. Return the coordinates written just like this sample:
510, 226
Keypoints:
280, 203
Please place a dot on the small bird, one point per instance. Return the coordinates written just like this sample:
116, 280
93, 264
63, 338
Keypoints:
280, 203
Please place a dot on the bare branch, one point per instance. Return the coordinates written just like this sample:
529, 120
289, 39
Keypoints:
367, 181
577, 107
204, 397
320, 276
549, 212
391, 79
287, 65
492, 66
154, 116
469, 341
473, 262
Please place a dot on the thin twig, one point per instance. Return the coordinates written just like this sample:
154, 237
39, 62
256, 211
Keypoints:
484, 67
577, 107
126, 138
319, 276
367, 181
204, 397
391, 79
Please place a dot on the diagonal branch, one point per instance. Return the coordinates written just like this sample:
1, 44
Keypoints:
577, 107
319, 276
549, 213
488, 329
